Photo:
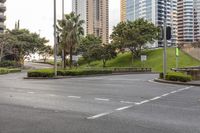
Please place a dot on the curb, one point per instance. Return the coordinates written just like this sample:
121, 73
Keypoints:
82, 76
174, 82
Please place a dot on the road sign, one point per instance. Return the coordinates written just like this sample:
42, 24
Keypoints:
143, 57
177, 52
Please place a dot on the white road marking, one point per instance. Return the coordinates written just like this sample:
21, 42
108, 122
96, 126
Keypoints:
98, 116
142, 102
155, 98
123, 108
76, 97
138, 103
52, 95
165, 95
31, 92
173, 92
102, 99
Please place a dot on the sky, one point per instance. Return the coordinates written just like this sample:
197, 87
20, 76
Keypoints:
37, 15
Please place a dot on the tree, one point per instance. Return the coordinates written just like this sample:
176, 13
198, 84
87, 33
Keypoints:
108, 52
6, 44
196, 44
118, 37
87, 44
103, 52
26, 43
45, 52
134, 35
70, 30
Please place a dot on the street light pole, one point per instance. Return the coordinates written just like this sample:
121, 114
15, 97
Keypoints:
63, 16
165, 42
55, 41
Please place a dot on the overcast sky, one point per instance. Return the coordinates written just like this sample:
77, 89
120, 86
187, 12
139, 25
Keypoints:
37, 15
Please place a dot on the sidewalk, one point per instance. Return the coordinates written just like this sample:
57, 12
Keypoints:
192, 83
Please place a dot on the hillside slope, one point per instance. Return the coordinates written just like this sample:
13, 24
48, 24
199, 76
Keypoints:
155, 60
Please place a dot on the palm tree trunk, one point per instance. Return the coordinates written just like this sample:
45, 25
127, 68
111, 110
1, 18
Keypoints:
1, 55
64, 58
70, 60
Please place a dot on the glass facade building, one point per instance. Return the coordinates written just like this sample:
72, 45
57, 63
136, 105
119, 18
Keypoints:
154, 11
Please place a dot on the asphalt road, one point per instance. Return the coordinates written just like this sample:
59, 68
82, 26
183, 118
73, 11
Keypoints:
105, 104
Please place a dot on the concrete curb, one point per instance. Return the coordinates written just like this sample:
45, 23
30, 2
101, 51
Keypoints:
175, 82
82, 76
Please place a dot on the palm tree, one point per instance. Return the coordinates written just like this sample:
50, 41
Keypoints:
70, 30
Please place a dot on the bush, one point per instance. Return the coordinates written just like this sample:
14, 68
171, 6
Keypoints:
175, 76
9, 64
161, 75
77, 72
41, 73
4, 71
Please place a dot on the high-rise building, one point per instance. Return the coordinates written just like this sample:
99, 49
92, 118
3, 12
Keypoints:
2, 16
185, 19
154, 11
95, 13
123, 10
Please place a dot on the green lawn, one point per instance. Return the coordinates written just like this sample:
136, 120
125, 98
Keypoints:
155, 60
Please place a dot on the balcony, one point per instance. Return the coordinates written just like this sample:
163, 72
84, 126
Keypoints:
2, 8
2, 1
2, 18
2, 26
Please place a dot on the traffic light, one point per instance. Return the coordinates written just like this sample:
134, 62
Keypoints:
168, 33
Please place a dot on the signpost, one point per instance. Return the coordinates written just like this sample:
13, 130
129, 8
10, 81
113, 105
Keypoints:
143, 59
177, 56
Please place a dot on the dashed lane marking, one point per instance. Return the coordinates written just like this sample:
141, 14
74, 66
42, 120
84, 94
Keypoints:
75, 97
31, 92
137, 103
102, 99
124, 108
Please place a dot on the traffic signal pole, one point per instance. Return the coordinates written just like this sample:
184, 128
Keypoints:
165, 43
55, 41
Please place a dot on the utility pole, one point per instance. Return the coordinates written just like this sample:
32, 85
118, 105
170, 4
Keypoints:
165, 42
55, 41
63, 17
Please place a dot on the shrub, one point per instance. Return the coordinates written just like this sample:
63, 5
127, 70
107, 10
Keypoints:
9, 64
41, 73
75, 72
161, 75
4, 71
175, 76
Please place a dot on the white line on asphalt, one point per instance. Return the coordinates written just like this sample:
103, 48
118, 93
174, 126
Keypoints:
138, 103
76, 97
142, 102
156, 98
98, 116
31, 92
164, 95
102, 99
123, 108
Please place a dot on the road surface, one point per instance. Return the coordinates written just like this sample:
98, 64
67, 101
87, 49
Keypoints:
105, 104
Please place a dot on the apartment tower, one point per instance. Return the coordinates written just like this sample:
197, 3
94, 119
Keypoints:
123, 10
95, 13
2, 16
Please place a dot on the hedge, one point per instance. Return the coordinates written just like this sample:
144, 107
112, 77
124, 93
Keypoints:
177, 76
75, 72
6, 71
9, 64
